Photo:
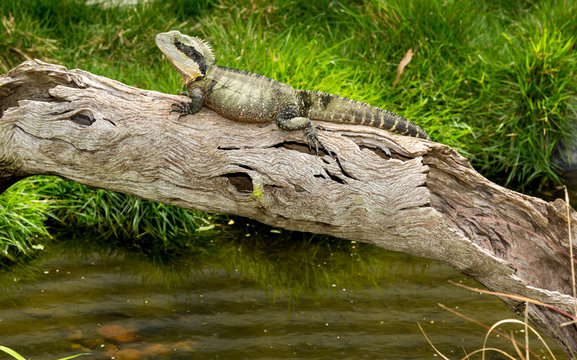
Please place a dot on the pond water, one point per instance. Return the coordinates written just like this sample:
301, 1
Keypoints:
113, 308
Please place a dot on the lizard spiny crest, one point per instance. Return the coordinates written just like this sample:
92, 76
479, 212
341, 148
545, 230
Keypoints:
190, 56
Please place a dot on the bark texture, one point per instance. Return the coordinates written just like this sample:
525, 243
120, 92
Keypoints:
395, 192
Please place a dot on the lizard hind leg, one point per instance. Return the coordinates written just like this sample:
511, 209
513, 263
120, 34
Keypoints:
189, 108
289, 120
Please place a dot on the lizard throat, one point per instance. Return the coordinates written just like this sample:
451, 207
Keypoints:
194, 55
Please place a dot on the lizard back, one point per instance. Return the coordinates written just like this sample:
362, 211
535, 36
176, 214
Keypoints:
244, 96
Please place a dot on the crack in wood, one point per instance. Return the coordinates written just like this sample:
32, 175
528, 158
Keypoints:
426, 207
300, 147
383, 153
335, 178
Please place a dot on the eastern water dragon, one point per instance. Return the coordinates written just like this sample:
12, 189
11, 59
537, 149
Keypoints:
243, 96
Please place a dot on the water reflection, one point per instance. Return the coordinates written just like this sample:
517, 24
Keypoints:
125, 307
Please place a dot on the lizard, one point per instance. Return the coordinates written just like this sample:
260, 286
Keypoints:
244, 96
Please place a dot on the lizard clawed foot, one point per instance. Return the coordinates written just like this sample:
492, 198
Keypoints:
184, 108
323, 128
313, 140
189, 108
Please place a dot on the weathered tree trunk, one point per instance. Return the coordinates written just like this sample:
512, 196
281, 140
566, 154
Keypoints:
424, 199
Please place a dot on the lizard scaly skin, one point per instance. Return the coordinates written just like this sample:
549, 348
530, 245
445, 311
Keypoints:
244, 96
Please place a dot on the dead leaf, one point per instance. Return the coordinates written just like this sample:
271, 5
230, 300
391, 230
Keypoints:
402, 65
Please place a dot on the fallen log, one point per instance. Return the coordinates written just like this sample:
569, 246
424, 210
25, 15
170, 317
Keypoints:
399, 193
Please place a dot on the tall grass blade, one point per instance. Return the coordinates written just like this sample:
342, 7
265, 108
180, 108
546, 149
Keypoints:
12, 353
515, 321
430, 343
516, 297
570, 236
478, 323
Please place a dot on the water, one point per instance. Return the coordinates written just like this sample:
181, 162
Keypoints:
218, 315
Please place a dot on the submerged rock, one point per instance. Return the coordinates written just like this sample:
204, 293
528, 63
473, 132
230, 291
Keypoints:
130, 354
74, 334
118, 334
157, 349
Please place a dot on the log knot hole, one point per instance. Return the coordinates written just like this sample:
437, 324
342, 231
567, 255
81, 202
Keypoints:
241, 181
83, 118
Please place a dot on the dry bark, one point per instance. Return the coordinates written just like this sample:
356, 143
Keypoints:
424, 199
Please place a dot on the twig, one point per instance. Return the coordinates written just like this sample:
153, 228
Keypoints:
570, 247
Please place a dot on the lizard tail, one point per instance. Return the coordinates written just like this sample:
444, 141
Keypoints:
327, 107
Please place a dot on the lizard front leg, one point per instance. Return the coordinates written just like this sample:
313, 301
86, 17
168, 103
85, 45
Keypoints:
190, 108
289, 119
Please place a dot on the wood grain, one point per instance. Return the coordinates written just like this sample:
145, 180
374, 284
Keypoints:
395, 192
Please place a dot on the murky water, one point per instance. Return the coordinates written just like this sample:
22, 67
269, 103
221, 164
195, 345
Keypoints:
104, 306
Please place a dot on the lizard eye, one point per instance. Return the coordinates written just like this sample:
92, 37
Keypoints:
176, 38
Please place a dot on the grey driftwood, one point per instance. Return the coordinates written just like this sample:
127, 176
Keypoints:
424, 199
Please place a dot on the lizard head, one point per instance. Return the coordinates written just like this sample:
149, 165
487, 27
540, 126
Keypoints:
190, 56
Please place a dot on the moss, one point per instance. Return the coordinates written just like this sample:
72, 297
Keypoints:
256, 192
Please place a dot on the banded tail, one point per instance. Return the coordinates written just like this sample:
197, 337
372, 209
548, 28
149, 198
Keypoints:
328, 107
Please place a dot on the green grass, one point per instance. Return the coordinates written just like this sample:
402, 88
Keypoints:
24, 210
493, 79
17, 356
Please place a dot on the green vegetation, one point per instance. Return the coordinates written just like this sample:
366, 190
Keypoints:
15, 355
492, 79
24, 210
